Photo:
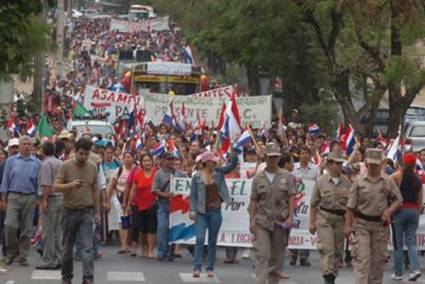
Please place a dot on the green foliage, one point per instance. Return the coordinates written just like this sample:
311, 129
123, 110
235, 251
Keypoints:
21, 34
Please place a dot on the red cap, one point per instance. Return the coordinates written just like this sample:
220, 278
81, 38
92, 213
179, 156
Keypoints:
409, 159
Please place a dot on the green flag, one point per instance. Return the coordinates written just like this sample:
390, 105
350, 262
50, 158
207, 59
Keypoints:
43, 127
80, 111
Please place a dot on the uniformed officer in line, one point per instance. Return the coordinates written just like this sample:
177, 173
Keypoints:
328, 206
372, 200
271, 208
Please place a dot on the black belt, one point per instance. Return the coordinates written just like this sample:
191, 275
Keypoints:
338, 212
369, 217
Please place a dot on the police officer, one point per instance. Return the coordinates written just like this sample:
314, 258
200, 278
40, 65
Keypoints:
372, 200
327, 209
271, 207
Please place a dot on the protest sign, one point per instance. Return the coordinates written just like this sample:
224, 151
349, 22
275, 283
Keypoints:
235, 227
253, 110
156, 24
225, 92
101, 101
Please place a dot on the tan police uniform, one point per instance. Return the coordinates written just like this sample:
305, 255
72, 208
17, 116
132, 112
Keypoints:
272, 209
330, 196
368, 199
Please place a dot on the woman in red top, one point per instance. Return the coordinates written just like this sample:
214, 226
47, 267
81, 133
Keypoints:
145, 213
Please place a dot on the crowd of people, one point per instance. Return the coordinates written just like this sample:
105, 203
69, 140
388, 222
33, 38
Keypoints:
109, 190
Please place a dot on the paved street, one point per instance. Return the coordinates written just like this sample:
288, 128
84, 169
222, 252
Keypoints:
114, 268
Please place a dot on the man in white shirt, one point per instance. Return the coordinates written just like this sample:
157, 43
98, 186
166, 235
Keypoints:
304, 170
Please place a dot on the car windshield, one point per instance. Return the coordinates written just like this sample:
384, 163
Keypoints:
417, 131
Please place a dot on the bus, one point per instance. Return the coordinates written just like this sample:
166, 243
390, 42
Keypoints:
163, 77
141, 12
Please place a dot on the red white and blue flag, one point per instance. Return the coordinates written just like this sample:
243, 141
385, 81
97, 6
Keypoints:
350, 140
231, 128
169, 117
244, 139
11, 126
31, 129
314, 129
171, 148
158, 149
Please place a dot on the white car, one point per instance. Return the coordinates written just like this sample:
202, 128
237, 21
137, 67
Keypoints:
91, 126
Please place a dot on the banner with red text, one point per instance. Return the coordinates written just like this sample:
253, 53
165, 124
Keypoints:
101, 101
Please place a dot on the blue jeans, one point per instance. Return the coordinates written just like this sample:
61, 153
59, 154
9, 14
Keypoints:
406, 223
95, 245
211, 220
163, 214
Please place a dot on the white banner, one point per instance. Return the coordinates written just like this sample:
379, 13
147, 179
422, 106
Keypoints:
234, 230
255, 111
160, 24
102, 101
156, 24
128, 27
225, 92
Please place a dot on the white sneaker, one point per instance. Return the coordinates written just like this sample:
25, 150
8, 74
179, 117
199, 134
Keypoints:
396, 277
414, 275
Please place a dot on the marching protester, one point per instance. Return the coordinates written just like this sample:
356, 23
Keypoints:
116, 196
304, 170
372, 200
77, 181
144, 213
406, 220
19, 190
271, 207
208, 190
51, 209
161, 189
327, 211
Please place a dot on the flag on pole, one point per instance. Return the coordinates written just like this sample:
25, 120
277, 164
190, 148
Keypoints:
314, 129
158, 149
231, 128
43, 127
244, 139
80, 110
169, 115
31, 129
188, 55
350, 140
394, 149
12, 127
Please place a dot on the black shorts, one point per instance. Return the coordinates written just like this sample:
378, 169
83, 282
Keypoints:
143, 221
148, 224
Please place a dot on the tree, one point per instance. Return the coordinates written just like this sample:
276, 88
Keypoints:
362, 44
21, 35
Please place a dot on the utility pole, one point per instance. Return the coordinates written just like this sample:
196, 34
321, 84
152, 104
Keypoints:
59, 37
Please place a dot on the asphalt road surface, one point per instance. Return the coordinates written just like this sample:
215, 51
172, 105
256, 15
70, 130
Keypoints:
114, 268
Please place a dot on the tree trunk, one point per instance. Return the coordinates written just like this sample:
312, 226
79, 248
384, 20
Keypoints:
39, 70
253, 80
396, 102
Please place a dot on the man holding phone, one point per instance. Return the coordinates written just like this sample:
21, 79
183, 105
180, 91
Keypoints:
77, 180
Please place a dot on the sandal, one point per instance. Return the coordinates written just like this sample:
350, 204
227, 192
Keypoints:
196, 274
133, 254
123, 251
210, 274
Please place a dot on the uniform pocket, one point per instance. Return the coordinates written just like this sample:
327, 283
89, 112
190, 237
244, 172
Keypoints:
262, 192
